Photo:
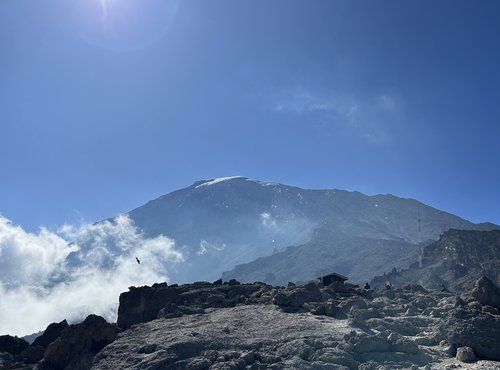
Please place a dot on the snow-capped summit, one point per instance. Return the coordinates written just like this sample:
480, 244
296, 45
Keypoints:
219, 223
218, 180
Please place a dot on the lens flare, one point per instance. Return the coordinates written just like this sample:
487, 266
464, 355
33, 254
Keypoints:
125, 25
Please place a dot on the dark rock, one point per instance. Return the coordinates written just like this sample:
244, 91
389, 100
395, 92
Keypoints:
459, 302
466, 354
360, 316
32, 354
170, 310
450, 350
160, 285
472, 328
6, 360
329, 308
233, 282
455, 262
12, 345
365, 343
50, 334
214, 298
338, 287
249, 357
491, 310
143, 304
486, 293
78, 344
295, 298
218, 282
405, 346
198, 364
147, 349
416, 288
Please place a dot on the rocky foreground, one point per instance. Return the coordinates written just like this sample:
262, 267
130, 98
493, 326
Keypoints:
257, 326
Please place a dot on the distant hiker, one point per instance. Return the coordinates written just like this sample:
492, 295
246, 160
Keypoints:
138, 261
367, 286
388, 284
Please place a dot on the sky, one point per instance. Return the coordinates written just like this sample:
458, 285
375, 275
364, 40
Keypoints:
107, 104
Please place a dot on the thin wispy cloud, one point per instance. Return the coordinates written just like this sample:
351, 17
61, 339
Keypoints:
367, 118
44, 278
206, 247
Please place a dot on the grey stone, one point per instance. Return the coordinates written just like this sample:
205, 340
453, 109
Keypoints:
486, 293
198, 364
465, 354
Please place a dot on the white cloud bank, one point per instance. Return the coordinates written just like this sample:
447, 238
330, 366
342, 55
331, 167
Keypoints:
44, 278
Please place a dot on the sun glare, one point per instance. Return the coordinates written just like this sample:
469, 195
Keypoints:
104, 8
125, 25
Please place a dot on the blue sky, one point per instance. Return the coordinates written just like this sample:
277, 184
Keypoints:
106, 104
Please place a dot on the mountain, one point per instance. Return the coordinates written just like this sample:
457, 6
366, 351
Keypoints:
359, 258
223, 222
220, 223
457, 260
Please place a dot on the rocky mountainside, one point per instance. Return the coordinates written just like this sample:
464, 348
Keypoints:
328, 251
220, 223
456, 261
256, 326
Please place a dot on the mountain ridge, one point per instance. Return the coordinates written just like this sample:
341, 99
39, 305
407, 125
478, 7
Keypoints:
455, 261
219, 223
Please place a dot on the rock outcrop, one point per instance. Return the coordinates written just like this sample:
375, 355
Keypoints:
50, 334
257, 326
456, 261
12, 345
470, 326
145, 303
300, 327
77, 345
486, 293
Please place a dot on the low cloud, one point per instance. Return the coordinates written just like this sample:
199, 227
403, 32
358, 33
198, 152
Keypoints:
206, 247
68, 274
267, 219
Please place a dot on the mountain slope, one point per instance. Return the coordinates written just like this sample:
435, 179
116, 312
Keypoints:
220, 223
359, 258
457, 260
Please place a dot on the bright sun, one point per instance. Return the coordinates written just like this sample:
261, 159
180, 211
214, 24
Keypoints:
125, 25
105, 8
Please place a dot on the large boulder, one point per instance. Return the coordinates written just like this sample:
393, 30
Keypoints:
466, 354
77, 345
50, 334
471, 328
144, 304
12, 345
296, 297
486, 293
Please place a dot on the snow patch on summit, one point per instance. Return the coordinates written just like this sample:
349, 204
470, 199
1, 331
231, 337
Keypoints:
216, 181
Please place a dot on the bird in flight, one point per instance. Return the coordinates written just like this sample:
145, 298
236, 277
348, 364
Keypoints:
138, 261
